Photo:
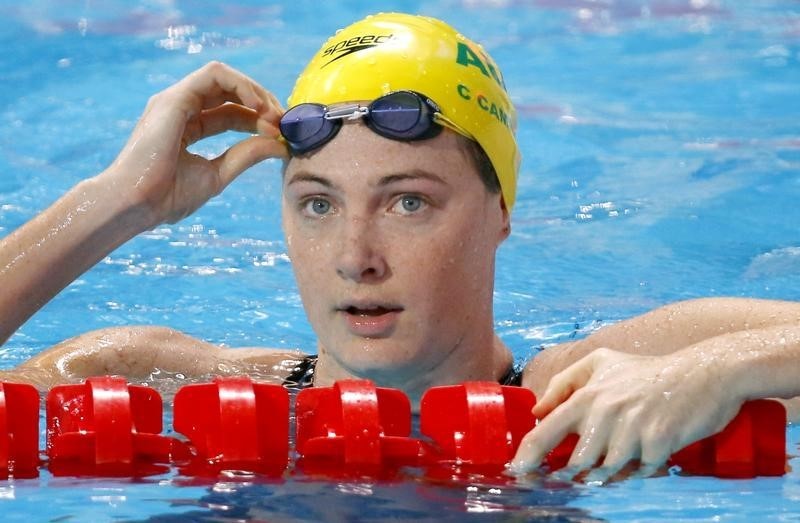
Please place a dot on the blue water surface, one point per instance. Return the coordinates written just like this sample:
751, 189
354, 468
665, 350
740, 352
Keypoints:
661, 162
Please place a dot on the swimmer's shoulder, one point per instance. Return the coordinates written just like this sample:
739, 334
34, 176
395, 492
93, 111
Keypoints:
138, 352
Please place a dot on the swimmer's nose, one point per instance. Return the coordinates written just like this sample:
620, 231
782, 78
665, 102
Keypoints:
360, 258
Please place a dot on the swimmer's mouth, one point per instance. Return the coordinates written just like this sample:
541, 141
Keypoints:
369, 310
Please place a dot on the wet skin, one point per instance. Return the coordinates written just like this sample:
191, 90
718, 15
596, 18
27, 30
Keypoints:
393, 246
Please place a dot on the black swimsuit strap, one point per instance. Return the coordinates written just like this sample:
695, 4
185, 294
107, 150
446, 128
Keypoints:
303, 375
513, 377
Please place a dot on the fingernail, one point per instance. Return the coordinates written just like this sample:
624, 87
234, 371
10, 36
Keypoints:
596, 478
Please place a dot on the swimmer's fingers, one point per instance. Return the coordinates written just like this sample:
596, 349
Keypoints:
623, 447
560, 409
244, 155
656, 449
543, 438
563, 384
227, 117
592, 444
193, 102
217, 83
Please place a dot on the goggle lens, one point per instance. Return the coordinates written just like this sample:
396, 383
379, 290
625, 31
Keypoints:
305, 127
401, 114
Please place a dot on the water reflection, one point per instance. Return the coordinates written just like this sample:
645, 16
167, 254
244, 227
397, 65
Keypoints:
409, 498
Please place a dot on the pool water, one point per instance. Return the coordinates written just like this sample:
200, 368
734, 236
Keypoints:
661, 162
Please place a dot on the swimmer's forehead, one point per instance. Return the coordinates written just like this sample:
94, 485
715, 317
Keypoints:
382, 179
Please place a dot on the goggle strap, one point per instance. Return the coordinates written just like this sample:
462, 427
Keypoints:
444, 121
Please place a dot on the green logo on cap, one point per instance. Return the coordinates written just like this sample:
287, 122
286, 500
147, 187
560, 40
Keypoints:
469, 58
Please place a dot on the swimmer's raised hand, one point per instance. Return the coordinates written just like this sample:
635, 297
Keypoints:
628, 407
156, 170
154, 180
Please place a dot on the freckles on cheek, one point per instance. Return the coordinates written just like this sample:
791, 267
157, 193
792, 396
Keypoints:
464, 269
312, 283
305, 258
440, 279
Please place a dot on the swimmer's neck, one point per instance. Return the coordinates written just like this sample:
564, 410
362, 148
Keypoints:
465, 364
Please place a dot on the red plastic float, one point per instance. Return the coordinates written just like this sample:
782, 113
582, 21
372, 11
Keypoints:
478, 422
235, 423
753, 444
19, 431
107, 427
355, 424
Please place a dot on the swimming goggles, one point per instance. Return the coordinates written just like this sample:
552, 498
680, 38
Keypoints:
400, 115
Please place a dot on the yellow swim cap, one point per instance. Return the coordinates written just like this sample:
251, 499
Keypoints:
391, 52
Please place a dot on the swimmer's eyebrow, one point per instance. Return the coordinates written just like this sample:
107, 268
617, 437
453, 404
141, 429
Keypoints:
313, 178
414, 174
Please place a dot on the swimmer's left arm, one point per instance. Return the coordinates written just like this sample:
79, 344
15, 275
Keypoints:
665, 330
646, 407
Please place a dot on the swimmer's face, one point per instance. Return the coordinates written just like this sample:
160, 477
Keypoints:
393, 246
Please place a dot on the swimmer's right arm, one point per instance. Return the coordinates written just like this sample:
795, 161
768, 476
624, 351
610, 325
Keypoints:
138, 353
153, 180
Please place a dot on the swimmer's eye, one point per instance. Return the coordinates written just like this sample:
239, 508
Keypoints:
409, 204
317, 206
